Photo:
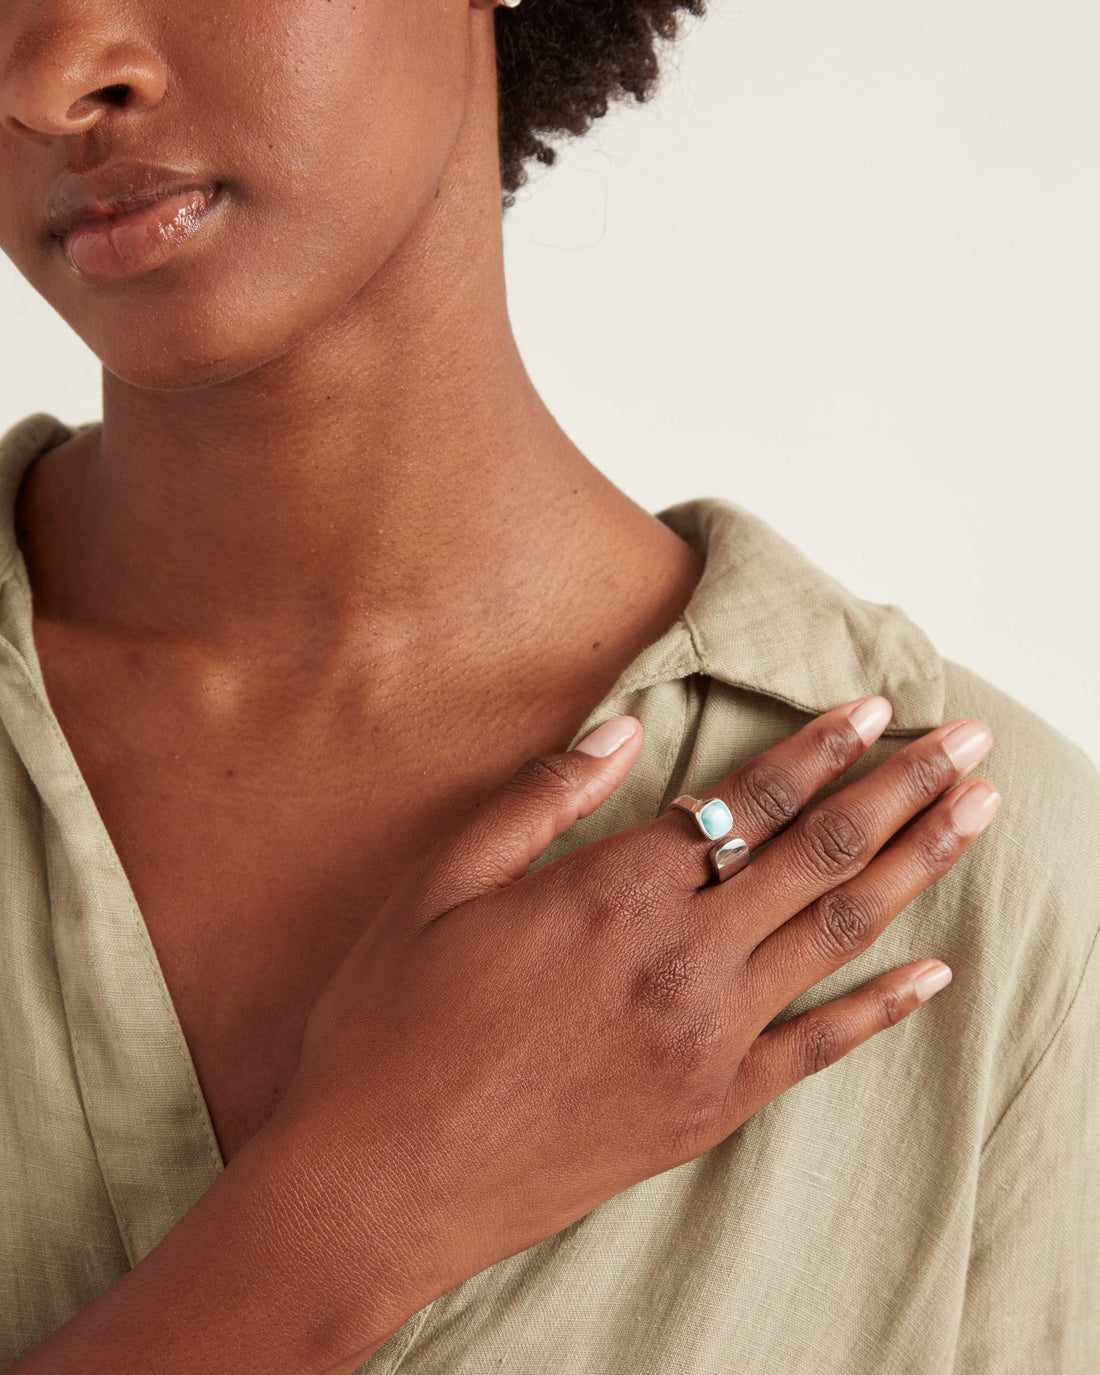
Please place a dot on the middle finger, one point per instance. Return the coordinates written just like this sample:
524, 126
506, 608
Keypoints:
838, 836
770, 790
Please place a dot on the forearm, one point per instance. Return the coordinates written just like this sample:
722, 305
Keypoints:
270, 1270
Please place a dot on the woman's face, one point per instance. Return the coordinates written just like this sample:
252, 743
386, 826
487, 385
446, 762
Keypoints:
298, 141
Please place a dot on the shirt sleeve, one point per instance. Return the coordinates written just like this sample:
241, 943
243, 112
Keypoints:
1032, 1300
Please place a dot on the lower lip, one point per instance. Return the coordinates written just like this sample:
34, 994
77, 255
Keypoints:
121, 246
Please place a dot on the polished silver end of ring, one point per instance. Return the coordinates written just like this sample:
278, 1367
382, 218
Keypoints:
728, 855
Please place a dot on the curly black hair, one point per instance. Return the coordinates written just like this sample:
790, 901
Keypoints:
561, 62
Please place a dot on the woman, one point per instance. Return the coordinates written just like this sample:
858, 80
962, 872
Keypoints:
302, 1069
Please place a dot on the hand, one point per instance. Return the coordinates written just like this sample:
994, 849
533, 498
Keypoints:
503, 1051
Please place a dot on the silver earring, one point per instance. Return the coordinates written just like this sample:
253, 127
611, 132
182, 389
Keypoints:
511, 4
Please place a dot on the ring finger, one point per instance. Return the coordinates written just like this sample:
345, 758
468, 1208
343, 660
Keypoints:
838, 836
769, 791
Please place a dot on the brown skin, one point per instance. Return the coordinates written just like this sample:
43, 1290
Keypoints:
391, 523
330, 549
581, 1029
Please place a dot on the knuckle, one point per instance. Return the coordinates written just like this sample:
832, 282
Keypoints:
673, 997
835, 842
693, 1131
889, 1007
545, 775
927, 775
693, 1044
666, 980
937, 847
772, 792
847, 923
821, 1045
839, 747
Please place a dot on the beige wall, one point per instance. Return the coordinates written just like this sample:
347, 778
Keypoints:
844, 270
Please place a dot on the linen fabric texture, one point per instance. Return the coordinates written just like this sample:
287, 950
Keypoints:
930, 1203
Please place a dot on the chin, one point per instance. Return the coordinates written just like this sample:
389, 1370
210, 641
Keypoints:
221, 308
179, 360
185, 336
175, 367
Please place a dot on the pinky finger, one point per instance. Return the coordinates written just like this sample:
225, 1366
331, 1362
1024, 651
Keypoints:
786, 1054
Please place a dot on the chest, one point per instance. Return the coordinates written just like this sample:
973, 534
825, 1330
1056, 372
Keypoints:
258, 850
252, 895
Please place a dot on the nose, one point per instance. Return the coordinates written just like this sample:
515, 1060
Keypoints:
67, 65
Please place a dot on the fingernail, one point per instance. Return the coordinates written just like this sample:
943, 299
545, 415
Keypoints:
609, 737
871, 718
931, 980
968, 743
975, 807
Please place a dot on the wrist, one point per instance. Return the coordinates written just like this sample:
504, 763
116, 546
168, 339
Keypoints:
347, 1236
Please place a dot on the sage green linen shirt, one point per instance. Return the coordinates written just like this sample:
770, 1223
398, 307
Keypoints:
930, 1203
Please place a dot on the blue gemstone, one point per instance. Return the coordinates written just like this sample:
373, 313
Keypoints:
715, 818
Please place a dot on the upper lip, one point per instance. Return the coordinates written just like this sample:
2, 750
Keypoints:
78, 198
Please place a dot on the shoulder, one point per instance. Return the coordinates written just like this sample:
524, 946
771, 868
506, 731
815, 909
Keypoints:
1037, 870
777, 639
1018, 921
765, 619
1046, 771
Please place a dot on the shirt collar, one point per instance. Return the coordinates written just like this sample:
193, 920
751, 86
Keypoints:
22, 444
765, 619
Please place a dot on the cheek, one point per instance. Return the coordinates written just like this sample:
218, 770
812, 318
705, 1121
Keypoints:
354, 102
331, 128
341, 135
362, 140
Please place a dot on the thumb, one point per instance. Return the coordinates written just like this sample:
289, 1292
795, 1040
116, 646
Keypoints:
540, 802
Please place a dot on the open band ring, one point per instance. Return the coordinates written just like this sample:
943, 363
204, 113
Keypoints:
728, 854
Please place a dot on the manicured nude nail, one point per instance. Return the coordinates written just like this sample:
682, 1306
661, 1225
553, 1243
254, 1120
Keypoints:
931, 980
871, 718
609, 737
968, 743
975, 807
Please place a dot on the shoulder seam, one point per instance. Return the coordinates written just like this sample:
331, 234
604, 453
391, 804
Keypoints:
1047, 1048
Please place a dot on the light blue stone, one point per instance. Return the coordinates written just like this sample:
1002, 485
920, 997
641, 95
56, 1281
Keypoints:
716, 818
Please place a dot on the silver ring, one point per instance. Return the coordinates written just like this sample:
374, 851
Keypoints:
728, 854
727, 858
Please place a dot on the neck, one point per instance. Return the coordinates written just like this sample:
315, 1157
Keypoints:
394, 478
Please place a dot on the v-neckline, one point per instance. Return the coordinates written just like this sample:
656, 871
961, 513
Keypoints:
146, 1113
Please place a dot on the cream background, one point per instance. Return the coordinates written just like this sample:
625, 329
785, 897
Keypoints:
842, 270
